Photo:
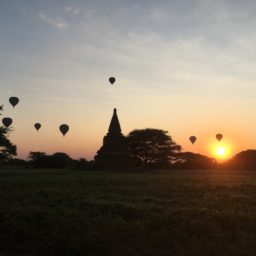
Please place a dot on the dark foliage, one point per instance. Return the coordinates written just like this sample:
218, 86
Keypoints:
7, 149
37, 159
152, 147
17, 162
245, 160
83, 164
57, 160
189, 160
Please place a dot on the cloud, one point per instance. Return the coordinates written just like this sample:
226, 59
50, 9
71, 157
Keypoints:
72, 10
57, 23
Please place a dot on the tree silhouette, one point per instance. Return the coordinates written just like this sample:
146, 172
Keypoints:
60, 160
245, 160
152, 146
38, 159
189, 160
57, 160
7, 149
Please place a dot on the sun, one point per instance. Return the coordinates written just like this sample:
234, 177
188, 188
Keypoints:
220, 151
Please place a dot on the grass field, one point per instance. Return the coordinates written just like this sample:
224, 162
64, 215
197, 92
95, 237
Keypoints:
67, 212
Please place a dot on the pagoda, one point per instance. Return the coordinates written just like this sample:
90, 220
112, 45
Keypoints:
114, 152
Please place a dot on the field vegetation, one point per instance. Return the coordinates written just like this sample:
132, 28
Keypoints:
74, 212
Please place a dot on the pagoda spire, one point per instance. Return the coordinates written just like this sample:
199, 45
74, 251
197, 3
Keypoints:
114, 151
114, 127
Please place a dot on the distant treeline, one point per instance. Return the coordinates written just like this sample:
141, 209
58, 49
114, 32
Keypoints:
245, 160
56, 160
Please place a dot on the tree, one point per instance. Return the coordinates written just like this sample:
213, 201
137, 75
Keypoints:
57, 160
38, 159
245, 160
7, 149
152, 146
60, 160
189, 160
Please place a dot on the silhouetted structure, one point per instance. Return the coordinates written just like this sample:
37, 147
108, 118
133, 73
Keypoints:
114, 152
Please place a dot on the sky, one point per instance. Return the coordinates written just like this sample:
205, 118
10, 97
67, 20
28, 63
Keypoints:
185, 66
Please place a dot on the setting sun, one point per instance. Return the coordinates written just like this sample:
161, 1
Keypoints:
220, 151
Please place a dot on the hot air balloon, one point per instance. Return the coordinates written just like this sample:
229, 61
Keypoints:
14, 101
37, 126
7, 121
112, 80
219, 136
192, 139
64, 129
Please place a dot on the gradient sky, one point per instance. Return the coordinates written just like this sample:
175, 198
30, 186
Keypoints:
188, 67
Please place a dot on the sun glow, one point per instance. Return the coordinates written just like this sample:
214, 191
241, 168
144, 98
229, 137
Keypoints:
221, 151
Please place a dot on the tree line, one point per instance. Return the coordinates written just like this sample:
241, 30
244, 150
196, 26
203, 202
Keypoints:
245, 160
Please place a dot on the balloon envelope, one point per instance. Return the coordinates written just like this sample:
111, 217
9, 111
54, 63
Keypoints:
64, 129
7, 121
219, 136
14, 101
192, 139
37, 126
112, 80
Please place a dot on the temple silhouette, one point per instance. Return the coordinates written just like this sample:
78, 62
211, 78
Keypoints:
114, 152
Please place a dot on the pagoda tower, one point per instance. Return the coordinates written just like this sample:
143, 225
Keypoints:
114, 152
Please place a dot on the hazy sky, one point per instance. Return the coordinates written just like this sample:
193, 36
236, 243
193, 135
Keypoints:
188, 67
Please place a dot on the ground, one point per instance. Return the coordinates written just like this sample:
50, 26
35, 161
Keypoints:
70, 212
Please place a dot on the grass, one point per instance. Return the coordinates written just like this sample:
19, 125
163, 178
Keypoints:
67, 212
